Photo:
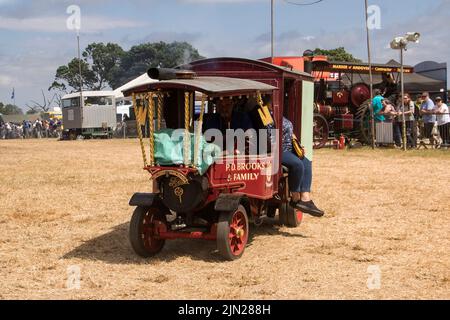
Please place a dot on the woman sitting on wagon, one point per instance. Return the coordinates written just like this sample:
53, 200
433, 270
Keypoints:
300, 169
300, 173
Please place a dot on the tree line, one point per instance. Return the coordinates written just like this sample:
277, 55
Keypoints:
7, 109
110, 66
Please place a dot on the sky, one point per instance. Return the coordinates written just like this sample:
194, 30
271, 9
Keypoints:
34, 38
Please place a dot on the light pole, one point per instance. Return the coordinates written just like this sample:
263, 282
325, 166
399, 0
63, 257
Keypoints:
372, 124
79, 70
401, 43
271, 31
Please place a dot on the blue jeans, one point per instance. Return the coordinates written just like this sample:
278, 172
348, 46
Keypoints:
411, 133
300, 172
398, 136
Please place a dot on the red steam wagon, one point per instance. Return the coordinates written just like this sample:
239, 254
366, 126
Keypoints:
200, 189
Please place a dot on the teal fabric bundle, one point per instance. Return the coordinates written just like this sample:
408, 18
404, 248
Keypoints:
169, 149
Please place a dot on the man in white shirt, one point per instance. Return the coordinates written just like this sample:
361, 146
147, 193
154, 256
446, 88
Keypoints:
443, 121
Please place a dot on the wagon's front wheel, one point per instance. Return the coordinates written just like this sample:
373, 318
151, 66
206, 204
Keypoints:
232, 233
145, 225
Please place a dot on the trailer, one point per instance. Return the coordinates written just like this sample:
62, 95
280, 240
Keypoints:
94, 117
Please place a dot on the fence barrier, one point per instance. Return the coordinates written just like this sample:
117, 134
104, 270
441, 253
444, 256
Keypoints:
387, 133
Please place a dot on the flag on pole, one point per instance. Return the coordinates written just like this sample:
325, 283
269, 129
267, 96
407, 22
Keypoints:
13, 94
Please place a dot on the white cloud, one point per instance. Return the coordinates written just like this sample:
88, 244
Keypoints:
5, 81
89, 24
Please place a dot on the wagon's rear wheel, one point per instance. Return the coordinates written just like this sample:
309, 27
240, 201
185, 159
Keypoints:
272, 211
282, 214
289, 216
144, 227
232, 233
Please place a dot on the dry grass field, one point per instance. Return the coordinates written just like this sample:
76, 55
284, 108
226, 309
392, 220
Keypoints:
65, 204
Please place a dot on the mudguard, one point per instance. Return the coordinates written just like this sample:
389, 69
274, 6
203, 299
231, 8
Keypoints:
228, 202
143, 199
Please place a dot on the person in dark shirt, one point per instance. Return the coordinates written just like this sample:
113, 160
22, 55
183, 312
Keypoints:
227, 118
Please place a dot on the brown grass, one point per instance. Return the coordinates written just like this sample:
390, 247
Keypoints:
66, 203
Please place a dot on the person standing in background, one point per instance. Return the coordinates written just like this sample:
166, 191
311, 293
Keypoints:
25, 129
411, 131
45, 128
388, 111
38, 128
443, 121
29, 129
428, 116
377, 106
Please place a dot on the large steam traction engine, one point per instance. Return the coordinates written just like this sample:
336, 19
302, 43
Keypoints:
212, 202
342, 98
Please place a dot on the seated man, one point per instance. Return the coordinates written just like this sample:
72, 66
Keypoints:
227, 118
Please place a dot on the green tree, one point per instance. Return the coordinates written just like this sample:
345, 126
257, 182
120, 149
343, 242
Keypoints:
109, 65
68, 77
32, 111
97, 69
104, 60
10, 109
141, 57
338, 55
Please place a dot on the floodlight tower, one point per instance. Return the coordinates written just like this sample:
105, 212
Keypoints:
401, 43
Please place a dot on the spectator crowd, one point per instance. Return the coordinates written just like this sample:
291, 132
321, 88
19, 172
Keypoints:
51, 128
426, 121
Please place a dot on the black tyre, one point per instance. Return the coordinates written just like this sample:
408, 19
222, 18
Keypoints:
143, 231
72, 135
282, 213
272, 211
232, 233
289, 216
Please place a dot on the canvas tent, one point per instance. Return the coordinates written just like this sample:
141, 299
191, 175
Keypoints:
414, 82
141, 80
124, 104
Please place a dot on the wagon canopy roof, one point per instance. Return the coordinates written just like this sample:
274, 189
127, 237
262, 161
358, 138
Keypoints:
212, 86
245, 65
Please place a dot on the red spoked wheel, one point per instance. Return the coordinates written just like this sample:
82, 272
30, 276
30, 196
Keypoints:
145, 225
232, 233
